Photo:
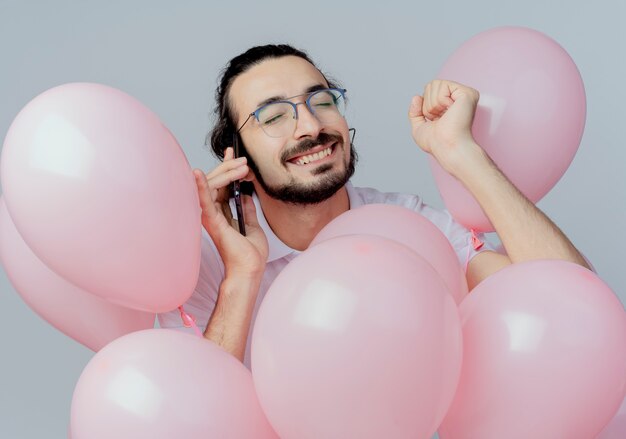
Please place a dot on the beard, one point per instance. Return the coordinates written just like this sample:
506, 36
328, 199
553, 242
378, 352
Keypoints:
326, 186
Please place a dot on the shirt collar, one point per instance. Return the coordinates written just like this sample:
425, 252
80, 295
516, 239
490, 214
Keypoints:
277, 248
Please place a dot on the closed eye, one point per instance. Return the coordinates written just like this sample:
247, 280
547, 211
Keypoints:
274, 119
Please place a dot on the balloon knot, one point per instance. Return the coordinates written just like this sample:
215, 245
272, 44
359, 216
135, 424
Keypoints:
188, 319
476, 242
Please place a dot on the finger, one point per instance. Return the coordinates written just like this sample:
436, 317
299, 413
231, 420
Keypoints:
223, 194
204, 194
444, 95
229, 153
226, 166
224, 179
425, 100
416, 116
426, 106
431, 103
439, 99
224, 205
458, 91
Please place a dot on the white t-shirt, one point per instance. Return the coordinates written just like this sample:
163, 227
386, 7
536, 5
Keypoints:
202, 302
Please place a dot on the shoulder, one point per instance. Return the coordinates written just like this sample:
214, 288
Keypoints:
440, 217
459, 237
367, 195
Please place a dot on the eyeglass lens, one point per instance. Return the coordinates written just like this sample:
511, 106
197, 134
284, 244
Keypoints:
278, 119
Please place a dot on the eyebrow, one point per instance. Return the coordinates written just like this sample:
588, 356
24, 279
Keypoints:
310, 89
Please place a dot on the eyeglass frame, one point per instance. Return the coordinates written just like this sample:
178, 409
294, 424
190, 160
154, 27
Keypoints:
307, 102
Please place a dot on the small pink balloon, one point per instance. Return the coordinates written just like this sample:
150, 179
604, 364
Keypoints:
86, 318
407, 227
544, 355
164, 384
102, 193
530, 116
356, 338
616, 428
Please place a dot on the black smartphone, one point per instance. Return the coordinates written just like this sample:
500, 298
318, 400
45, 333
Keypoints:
237, 191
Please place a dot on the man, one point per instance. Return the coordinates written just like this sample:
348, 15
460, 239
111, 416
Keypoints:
299, 158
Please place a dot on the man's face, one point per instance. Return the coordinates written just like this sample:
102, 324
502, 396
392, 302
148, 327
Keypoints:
307, 166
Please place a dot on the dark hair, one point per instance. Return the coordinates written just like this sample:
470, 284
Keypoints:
221, 136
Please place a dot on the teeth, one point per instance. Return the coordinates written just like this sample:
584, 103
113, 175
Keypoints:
313, 157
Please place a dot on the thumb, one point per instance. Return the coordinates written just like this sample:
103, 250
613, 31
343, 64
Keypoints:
416, 116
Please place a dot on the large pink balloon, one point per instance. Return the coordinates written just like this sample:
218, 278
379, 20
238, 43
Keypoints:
164, 384
86, 318
102, 193
616, 428
544, 355
408, 227
530, 116
356, 338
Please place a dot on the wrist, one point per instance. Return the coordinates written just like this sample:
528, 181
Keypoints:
239, 289
469, 160
250, 273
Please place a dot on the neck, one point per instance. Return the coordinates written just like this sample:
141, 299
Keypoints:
296, 225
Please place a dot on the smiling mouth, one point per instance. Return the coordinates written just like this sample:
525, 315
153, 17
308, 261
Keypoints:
313, 157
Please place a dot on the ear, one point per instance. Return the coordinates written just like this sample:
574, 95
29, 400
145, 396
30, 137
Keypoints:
250, 177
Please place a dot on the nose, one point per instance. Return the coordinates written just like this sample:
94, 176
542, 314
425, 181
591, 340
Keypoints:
307, 125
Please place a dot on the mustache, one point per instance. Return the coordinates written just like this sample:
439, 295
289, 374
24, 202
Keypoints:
308, 144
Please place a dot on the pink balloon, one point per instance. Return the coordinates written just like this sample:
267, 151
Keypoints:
530, 116
544, 355
86, 318
616, 428
407, 227
356, 338
164, 384
102, 193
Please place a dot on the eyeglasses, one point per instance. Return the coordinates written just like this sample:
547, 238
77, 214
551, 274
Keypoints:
278, 118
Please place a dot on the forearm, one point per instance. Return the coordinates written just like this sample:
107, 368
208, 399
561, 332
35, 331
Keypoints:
230, 322
525, 231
